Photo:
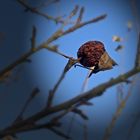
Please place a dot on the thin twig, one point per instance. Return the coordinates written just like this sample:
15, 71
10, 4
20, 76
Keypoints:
85, 127
85, 82
85, 130
70, 63
133, 126
31, 127
118, 112
68, 19
46, 3
80, 113
73, 12
119, 93
36, 11
24, 58
58, 132
137, 61
95, 92
79, 19
135, 12
59, 33
45, 45
74, 115
33, 94
52, 92
33, 38
70, 124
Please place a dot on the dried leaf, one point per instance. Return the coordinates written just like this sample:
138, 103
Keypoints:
116, 38
119, 47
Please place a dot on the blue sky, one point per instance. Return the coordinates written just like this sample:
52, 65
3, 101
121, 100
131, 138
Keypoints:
46, 67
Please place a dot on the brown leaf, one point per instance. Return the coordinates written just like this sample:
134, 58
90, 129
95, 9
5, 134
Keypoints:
116, 38
119, 47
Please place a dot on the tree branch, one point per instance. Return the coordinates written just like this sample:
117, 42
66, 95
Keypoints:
45, 45
70, 63
59, 33
137, 61
118, 112
95, 92
36, 11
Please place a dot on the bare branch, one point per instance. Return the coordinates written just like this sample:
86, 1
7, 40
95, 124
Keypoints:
81, 113
33, 38
77, 26
85, 130
36, 11
133, 126
45, 45
95, 92
31, 123
117, 114
47, 3
59, 33
60, 133
31, 97
70, 63
32, 127
137, 61
74, 11
79, 19
135, 12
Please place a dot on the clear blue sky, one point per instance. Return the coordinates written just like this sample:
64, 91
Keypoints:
46, 67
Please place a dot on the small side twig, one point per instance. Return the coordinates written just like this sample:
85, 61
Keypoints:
73, 12
33, 39
70, 63
58, 132
81, 113
118, 112
50, 126
59, 33
45, 45
33, 94
79, 19
137, 61
36, 11
134, 124
46, 4
95, 92
77, 111
85, 130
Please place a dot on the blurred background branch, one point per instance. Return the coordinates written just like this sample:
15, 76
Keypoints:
36, 10
118, 112
72, 105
